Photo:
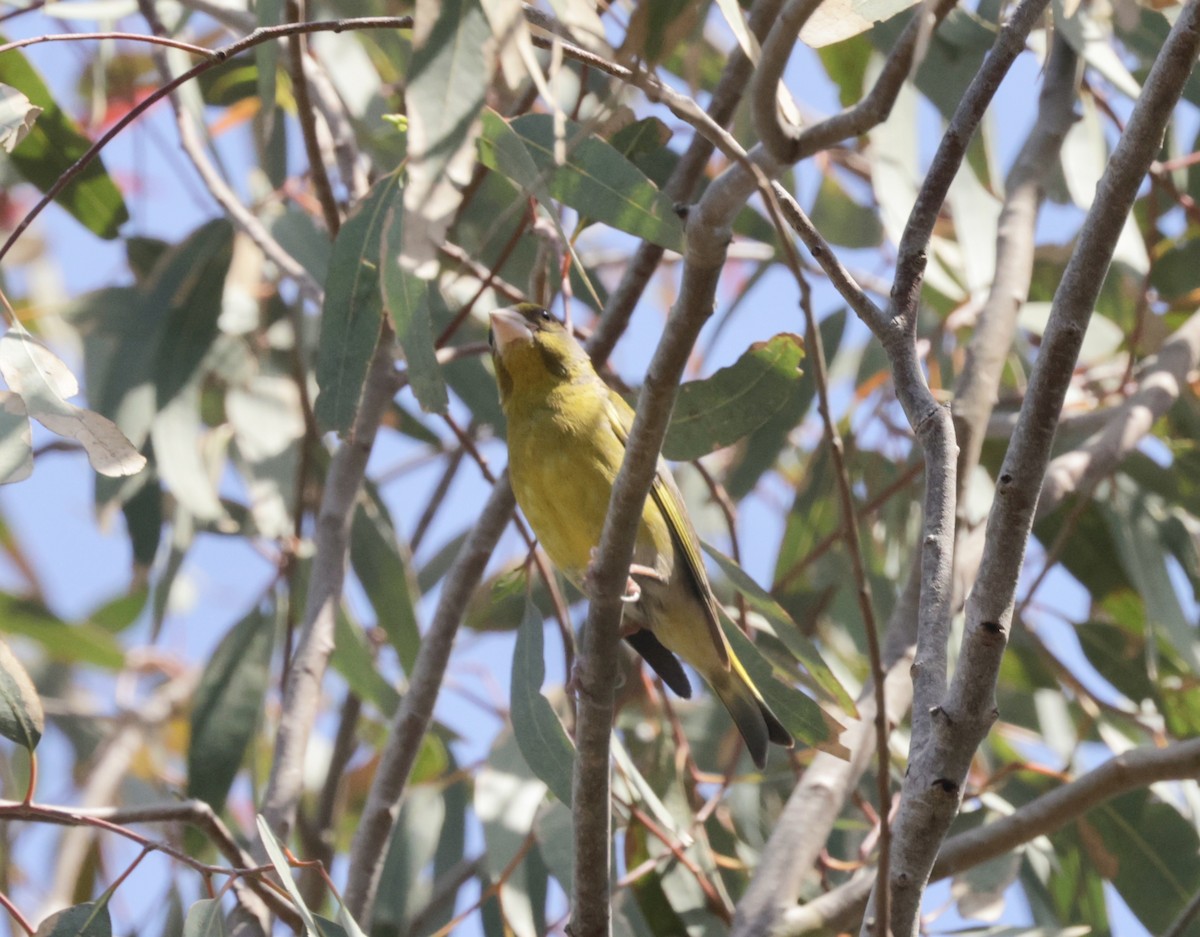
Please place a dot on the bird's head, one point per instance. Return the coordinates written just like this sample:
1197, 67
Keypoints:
533, 351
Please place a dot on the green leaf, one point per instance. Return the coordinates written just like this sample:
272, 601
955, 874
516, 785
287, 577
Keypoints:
540, 736
82, 920
205, 919
83, 643
227, 705
266, 59
409, 299
16, 439
353, 310
846, 65
843, 220
21, 717
385, 571
352, 658
453, 57
785, 629
716, 412
807, 721
1153, 851
1135, 520
118, 613
191, 321
53, 145
596, 180
763, 446
279, 860
411, 848
143, 521
644, 143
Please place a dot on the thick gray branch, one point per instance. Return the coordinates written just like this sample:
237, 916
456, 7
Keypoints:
841, 908
960, 721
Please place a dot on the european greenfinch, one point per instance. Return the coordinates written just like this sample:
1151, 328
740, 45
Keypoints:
566, 440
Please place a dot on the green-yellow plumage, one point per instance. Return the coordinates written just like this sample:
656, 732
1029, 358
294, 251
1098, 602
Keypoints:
566, 441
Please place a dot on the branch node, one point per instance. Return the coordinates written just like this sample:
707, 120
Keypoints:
947, 786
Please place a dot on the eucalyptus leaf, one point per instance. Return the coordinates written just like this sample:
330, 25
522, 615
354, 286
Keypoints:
736, 400
90, 919
539, 734
226, 709
205, 919
21, 717
409, 301
448, 76
596, 180
52, 145
353, 310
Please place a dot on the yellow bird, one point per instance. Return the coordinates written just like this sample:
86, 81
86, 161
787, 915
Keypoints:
566, 440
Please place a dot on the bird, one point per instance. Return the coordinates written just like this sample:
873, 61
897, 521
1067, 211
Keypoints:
567, 431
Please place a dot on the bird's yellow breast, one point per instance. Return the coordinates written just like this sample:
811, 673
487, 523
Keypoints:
563, 458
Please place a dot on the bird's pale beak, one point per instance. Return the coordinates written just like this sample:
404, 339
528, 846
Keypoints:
509, 327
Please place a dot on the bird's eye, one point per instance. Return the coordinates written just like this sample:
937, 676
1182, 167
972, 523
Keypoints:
546, 315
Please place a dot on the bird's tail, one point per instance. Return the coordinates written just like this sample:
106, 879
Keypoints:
750, 713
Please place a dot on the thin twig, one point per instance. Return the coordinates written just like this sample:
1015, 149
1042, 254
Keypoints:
130, 37
308, 127
16, 914
218, 57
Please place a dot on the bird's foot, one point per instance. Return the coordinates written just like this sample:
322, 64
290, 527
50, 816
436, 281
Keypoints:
633, 591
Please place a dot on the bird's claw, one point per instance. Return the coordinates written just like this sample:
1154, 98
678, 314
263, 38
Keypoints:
633, 591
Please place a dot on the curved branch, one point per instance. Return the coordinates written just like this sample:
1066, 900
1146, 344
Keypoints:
218, 57
875, 106
775, 130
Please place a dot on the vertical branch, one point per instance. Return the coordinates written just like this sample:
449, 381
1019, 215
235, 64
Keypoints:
302, 691
992, 338
306, 116
369, 847
953, 725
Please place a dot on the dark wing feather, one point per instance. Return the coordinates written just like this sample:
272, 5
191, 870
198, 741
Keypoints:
665, 664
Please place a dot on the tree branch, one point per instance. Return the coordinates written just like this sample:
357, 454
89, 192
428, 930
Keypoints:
840, 908
369, 848
988, 348
1161, 379
952, 726
792, 144
302, 690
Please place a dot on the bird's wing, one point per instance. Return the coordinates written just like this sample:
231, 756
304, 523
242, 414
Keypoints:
669, 500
